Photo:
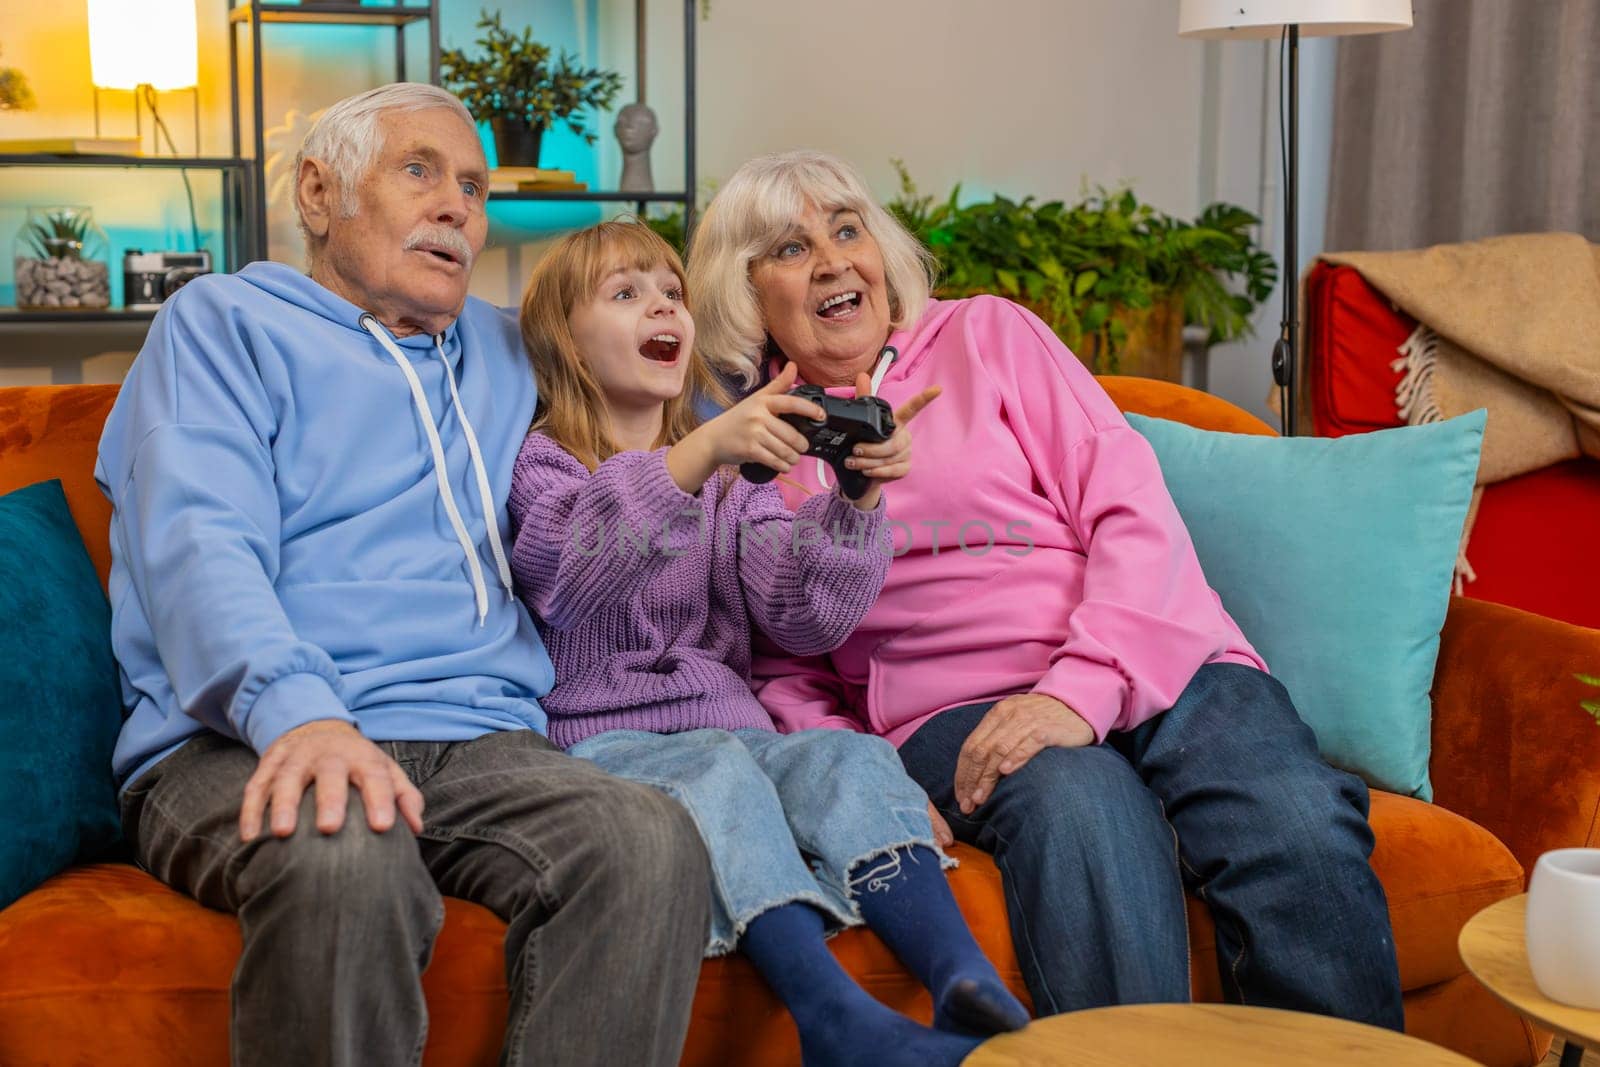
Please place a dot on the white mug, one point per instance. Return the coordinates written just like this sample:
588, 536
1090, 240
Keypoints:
1563, 927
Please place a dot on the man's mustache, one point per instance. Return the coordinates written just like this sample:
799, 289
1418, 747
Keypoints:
442, 237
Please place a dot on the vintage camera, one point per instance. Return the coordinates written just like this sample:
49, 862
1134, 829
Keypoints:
148, 278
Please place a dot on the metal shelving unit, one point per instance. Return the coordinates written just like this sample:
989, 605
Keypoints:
250, 15
244, 230
240, 227
337, 14
68, 315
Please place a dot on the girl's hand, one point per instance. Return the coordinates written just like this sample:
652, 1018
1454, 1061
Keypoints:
752, 430
890, 459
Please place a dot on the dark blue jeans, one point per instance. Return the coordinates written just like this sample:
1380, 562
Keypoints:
1224, 794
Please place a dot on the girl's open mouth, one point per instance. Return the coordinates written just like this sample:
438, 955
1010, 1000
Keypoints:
662, 348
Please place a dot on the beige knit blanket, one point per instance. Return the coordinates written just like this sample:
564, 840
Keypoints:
1510, 324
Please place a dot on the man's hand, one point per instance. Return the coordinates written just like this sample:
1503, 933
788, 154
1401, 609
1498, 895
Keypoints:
1011, 733
333, 755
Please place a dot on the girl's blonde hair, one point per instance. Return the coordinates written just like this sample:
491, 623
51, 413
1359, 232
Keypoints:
572, 406
748, 216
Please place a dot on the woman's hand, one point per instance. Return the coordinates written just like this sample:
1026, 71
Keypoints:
891, 459
1009, 735
752, 430
941, 829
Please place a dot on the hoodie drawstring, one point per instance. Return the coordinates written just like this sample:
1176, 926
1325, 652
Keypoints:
480, 590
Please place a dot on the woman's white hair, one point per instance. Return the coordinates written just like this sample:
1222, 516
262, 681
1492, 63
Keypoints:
348, 137
759, 205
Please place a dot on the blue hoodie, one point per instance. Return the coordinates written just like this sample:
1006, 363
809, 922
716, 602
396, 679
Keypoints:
282, 548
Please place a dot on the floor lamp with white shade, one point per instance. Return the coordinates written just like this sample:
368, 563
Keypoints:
1264, 19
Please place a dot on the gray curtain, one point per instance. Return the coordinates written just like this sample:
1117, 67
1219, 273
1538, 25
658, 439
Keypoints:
1482, 119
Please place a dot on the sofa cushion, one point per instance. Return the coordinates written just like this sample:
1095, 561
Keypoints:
1335, 558
1353, 333
1532, 544
53, 431
62, 710
152, 964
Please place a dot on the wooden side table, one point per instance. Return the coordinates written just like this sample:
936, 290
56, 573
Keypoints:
1164, 1034
1494, 947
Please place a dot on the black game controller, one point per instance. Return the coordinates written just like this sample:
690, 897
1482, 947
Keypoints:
845, 424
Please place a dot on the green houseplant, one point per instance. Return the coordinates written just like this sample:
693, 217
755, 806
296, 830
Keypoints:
1114, 278
513, 84
1590, 706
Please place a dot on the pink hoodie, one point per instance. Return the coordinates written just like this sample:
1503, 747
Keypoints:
1041, 551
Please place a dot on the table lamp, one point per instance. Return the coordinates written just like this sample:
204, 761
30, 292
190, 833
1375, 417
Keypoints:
146, 46
1265, 19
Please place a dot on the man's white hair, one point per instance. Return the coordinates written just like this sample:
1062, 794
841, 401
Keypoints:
348, 136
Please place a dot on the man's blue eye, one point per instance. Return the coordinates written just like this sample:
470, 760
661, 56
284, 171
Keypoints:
416, 170
470, 188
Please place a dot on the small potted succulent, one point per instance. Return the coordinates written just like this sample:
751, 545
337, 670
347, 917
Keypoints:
514, 86
61, 260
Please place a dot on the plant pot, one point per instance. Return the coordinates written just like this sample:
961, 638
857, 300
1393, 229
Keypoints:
1154, 345
516, 142
62, 260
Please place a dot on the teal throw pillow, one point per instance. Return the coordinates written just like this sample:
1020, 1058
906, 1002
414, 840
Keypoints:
60, 711
1335, 556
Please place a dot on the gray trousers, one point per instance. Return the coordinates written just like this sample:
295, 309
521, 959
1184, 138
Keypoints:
603, 885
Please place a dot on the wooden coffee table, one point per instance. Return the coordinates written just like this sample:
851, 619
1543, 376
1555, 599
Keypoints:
1494, 947
1165, 1034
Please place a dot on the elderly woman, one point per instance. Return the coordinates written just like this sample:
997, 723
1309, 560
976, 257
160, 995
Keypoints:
1046, 653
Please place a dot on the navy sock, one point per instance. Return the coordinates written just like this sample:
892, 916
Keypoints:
905, 898
840, 1024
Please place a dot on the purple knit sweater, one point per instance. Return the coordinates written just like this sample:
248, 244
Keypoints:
646, 595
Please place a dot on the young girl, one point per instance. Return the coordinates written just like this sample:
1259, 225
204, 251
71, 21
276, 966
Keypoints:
646, 561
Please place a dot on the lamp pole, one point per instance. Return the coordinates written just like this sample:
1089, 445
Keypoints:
1285, 361
1287, 20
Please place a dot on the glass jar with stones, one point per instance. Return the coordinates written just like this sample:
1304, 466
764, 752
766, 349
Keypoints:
62, 260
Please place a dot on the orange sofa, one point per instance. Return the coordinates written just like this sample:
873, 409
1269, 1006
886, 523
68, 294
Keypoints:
102, 964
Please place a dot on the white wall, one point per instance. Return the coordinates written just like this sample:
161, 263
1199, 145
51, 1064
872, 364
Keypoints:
1018, 96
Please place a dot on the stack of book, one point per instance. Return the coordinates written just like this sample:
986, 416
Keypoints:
533, 180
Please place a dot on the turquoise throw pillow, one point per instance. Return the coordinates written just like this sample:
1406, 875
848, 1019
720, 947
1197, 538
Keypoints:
60, 710
1335, 557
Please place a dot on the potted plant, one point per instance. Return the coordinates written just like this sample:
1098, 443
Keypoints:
1114, 278
513, 85
60, 257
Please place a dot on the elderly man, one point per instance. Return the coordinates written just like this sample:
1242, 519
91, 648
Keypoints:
333, 695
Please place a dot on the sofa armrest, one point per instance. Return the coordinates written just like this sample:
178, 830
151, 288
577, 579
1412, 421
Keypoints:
1512, 749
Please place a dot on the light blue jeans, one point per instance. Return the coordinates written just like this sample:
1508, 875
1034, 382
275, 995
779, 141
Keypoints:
767, 803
